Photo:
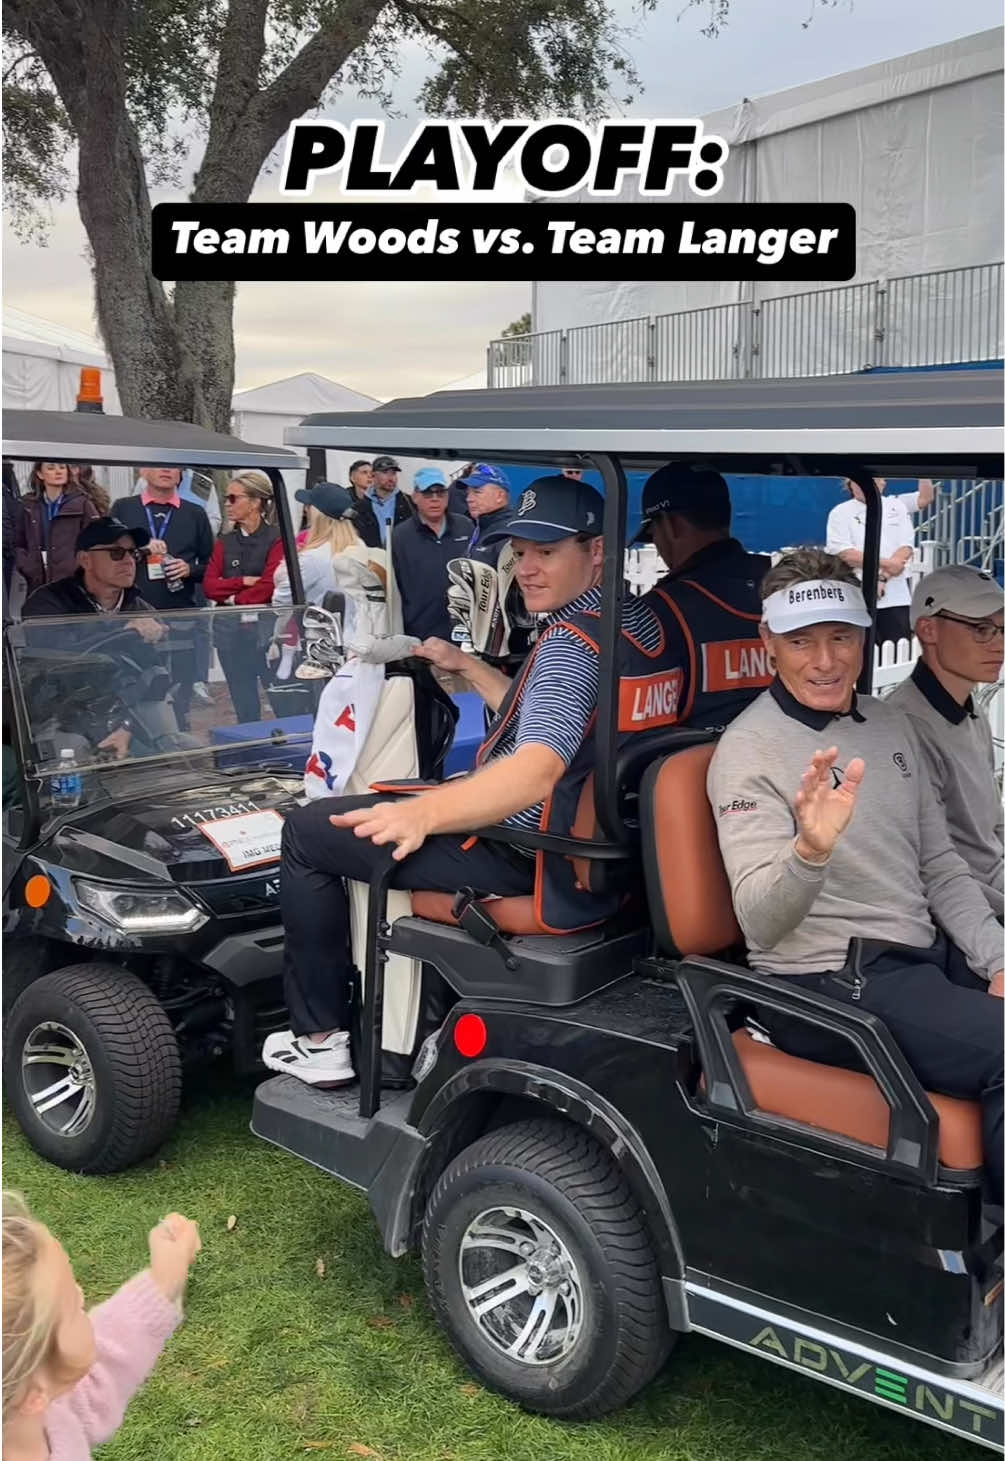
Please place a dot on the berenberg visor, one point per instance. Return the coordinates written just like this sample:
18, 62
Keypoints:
819, 601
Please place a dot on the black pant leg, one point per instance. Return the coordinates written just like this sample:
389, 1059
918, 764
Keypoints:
893, 623
317, 857
951, 1036
239, 662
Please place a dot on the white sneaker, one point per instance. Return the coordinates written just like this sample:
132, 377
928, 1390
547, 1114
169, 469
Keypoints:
324, 1063
200, 692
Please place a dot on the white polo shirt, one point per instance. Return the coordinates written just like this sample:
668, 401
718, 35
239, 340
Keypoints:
846, 529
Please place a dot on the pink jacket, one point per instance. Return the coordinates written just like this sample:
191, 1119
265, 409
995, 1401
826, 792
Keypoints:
130, 1330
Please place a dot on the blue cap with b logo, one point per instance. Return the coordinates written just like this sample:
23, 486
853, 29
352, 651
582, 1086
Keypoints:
552, 508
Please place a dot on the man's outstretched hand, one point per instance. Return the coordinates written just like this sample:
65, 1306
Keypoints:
404, 823
824, 810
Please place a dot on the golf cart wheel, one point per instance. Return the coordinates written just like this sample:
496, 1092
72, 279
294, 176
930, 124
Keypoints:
541, 1271
92, 1068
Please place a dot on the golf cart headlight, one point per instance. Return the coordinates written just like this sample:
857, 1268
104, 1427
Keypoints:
138, 912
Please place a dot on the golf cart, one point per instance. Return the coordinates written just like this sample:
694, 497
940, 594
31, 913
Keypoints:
141, 924
598, 1154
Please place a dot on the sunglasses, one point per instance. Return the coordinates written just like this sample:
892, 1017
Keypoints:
118, 554
233, 497
984, 631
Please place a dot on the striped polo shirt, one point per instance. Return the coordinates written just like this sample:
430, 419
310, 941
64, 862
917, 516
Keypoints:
559, 697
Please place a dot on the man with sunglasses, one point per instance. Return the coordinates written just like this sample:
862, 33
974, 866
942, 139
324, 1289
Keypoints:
421, 550
104, 585
108, 554
956, 614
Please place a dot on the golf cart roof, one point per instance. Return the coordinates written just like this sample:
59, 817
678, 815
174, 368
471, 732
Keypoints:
916, 423
86, 436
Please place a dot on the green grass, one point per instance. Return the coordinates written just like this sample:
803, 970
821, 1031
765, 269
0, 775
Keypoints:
275, 1361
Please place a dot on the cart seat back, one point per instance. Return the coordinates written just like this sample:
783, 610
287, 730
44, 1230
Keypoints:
689, 897
692, 914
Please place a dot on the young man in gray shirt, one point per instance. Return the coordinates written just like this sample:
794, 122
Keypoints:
839, 860
956, 612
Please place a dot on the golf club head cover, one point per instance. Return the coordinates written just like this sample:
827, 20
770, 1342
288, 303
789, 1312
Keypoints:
472, 596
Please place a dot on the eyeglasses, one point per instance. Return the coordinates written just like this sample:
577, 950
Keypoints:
434, 491
984, 631
118, 554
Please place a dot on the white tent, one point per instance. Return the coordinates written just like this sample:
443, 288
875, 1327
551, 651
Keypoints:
41, 365
41, 372
262, 414
914, 143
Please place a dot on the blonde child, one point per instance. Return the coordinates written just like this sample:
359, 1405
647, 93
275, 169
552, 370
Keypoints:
68, 1375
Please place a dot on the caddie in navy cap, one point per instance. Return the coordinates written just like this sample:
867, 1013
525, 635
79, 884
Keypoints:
696, 491
552, 508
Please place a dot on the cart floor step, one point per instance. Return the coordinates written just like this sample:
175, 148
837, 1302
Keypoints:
325, 1127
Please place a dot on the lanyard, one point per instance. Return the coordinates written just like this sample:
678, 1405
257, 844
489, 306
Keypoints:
51, 511
167, 514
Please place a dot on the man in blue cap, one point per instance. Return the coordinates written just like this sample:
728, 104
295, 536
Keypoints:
421, 549
531, 773
488, 493
709, 603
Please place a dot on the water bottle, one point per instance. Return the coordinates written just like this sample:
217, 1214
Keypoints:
174, 585
68, 785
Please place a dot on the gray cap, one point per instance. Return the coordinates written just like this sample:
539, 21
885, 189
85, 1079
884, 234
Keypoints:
970, 593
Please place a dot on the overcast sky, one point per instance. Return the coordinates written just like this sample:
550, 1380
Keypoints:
404, 339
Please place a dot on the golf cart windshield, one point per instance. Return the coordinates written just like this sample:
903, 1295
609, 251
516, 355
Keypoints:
105, 688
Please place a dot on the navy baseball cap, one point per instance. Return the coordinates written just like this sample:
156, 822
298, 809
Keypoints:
484, 475
681, 487
104, 532
385, 464
552, 508
329, 498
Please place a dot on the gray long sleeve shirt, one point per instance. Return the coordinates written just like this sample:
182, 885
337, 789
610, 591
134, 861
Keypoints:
958, 753
893, 870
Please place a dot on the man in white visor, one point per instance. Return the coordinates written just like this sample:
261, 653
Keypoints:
842, 870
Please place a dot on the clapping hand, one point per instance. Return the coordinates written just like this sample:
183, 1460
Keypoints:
174, 1243
824, 810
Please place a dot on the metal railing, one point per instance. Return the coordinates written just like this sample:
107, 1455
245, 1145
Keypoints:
944, 317
963, 525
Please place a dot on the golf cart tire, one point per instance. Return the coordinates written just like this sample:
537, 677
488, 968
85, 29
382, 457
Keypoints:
133, 1054
24, 961
561, 1176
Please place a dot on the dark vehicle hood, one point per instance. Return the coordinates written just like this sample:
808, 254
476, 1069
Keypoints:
151, 832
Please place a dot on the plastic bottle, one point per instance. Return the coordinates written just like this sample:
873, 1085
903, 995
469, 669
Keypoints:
68, 785
174, 585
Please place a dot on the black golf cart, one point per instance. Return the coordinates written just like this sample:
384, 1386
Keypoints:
141, 924
599, 1153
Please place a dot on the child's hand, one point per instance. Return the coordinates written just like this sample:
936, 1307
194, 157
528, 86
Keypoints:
174, 1242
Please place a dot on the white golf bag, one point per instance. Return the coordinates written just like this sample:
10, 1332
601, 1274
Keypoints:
366, 732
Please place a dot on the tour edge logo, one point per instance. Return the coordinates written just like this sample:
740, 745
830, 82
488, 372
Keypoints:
612, 200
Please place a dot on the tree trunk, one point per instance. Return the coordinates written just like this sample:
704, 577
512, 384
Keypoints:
173, 356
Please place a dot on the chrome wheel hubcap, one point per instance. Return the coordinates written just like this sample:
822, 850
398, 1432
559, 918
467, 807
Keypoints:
521, 1286
58, 1079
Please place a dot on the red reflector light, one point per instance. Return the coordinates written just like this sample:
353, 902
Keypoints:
470, 1035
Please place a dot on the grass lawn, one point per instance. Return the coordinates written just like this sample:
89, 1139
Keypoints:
282, 1356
